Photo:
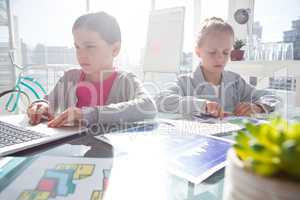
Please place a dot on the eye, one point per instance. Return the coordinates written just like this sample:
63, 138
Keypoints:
212, 52
90, 46
226, 53
76, 47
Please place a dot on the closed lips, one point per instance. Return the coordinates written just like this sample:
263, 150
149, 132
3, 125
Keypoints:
219, 66
84, 64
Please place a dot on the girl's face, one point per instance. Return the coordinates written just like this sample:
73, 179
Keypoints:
215, 51
93, 53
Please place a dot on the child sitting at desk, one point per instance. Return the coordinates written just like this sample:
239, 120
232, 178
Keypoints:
210, 89
98, 92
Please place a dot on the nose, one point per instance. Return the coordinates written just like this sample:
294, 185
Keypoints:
220, 58
81, 53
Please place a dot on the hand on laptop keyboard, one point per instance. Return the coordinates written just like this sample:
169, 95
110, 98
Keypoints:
69, 116
37, 112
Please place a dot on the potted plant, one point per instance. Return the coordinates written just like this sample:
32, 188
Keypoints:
237, 53
264, 163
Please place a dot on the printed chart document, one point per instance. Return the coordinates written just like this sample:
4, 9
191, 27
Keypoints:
192, 157
48, 178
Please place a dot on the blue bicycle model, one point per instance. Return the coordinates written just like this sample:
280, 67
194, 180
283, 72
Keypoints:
20, 93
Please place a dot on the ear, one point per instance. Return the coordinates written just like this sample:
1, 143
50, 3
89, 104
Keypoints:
116, 48
198, 51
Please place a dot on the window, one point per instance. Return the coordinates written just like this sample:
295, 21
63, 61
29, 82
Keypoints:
132, 16
43, 30
209, 9
6, 71
193, 20
277, 22
43, 37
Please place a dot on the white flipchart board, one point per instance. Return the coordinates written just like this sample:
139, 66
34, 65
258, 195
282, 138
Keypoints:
163, 49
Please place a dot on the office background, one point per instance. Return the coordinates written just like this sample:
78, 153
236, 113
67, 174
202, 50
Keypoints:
42, 35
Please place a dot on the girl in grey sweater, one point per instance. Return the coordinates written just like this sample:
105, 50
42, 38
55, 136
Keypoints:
210, 89
96, 93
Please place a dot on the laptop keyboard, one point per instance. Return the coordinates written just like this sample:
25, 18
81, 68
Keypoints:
10, 135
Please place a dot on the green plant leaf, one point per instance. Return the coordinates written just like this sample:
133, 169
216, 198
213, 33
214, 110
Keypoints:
270, 148
245, 153
265, 169
238, 44
257, 147
293, 171
240, 151
294, 132
242, 138
268, 136
252, 129
290, 154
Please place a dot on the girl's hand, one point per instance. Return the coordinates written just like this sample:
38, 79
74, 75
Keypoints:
69, 116
214, 109
38, 111
247, 109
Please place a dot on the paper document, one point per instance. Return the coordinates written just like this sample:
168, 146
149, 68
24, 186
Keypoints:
193, 157
47, 178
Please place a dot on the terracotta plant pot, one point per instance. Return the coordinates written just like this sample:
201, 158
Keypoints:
237, 55
243, 184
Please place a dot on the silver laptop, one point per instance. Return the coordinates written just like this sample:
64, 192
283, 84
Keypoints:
17, 134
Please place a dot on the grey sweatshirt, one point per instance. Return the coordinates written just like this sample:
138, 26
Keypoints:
191, 91
127, 102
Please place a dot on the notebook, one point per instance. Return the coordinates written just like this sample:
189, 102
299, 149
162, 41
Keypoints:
17, 134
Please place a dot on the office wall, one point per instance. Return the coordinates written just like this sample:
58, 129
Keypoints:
241, 31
